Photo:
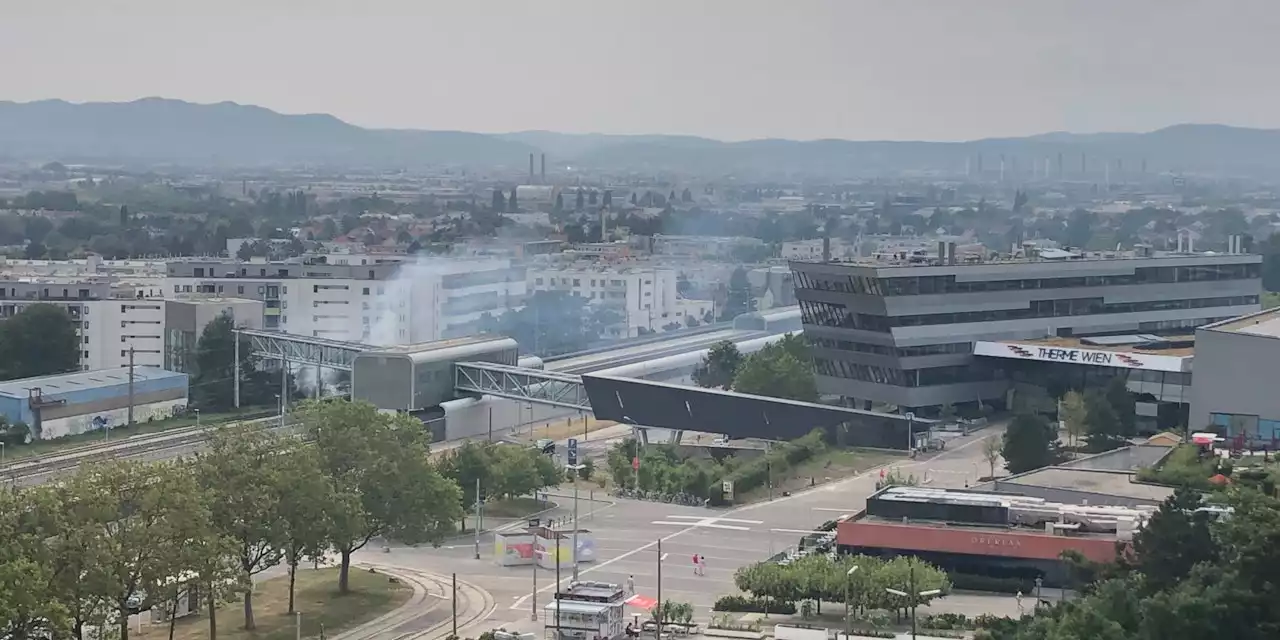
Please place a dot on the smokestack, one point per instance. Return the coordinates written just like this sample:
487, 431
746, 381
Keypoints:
544, 168
942, 252
826, 248
1083, 168
951, 253
531, 168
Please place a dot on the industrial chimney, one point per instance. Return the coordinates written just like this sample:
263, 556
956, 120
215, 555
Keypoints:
951, 253
544, 169
531, 168
826, 248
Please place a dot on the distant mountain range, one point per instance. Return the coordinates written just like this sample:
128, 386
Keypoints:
157, 130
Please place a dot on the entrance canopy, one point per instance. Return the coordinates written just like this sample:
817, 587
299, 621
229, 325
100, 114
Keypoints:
739, 415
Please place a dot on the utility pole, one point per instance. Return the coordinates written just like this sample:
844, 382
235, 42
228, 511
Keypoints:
235, 372
533, 608
284, 388
657, 608
455, 605
556, 591
129, 423
479, 523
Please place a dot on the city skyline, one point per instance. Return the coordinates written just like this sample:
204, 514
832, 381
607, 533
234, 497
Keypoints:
806, 70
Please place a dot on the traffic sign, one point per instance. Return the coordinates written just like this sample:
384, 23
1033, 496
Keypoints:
727, 488
572, 452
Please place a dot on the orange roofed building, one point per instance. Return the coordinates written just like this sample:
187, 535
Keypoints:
994, 535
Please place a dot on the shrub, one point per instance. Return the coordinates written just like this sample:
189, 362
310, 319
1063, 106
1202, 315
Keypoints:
742, 604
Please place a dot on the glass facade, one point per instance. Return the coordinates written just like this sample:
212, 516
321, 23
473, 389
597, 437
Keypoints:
928, 285
1248, 430
831, 314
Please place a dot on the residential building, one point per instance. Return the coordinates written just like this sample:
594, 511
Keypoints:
702, 247
902, 331
384, 303
185, 319
646, 298
812, 250
110, 319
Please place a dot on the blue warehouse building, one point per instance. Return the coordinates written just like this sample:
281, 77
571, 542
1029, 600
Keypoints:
66, 404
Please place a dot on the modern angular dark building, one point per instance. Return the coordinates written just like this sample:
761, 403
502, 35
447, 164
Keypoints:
902, 331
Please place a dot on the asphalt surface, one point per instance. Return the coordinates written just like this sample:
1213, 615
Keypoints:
628, 534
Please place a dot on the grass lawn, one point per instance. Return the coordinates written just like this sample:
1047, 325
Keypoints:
45, 447
561, 429
372, 594
828, 466
513, 508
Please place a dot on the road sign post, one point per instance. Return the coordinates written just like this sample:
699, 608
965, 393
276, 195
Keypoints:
571, 453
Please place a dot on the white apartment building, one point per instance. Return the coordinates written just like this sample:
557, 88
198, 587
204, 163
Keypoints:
110, 318
811, 250
385, 303
646, 297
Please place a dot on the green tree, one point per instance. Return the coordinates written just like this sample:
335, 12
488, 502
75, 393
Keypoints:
719, 366
991, 450
1104, 426
1029, 443
38, 341
30, 597
1174, 540
139, 513
384, 484
1124, 404
213, 378
303, 495
1074, 414
239, 472
778, 374
739, 299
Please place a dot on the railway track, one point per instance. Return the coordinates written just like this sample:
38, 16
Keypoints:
429, 614
175, 440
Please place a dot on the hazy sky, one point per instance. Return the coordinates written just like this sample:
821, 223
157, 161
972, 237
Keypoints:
733, 69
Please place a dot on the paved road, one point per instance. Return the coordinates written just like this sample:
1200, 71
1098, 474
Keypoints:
628, 533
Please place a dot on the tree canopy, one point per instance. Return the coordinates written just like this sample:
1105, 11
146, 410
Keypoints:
38, 341
1030, 442
719, 366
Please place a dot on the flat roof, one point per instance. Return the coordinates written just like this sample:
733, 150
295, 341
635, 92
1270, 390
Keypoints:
1112, 483
80, 380
420, 347
1263, 323
983, 528
1048, 256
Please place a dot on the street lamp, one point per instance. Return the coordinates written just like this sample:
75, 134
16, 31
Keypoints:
913, 596
575, 468
848, 621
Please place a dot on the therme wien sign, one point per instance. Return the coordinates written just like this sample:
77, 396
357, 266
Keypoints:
1094, 357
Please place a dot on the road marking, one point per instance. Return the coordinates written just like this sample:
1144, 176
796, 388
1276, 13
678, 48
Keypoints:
705, 518
702, 525
945, 454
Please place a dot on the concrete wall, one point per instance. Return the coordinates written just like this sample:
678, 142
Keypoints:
114, 418
1124, 459
1234, 374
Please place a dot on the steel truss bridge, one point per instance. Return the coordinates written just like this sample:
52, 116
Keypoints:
503, 381
295, 349
518, 383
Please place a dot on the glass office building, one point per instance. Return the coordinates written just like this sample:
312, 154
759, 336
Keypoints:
901, 332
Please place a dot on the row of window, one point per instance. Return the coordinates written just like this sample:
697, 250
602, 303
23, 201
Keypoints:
577, 282
929, 285
900, 352
838, 315
1251, 427
927, 377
